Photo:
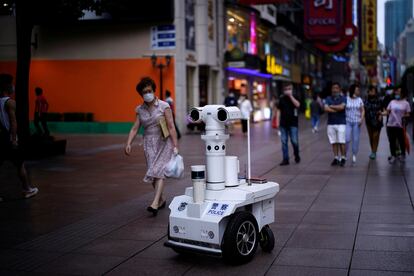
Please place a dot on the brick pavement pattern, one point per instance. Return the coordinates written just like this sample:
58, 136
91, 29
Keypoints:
89, 217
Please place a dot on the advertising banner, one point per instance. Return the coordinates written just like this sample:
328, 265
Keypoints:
262, 2
368, 27
323, 18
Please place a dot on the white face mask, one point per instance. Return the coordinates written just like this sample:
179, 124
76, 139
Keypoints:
148, 97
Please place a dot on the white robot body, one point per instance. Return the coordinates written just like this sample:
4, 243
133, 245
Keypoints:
200, 219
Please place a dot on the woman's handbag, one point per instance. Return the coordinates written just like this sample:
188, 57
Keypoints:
175, 167
164, 127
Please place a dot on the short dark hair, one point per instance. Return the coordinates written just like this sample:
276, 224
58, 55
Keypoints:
144, 82
6, 83
336, 83
286, 84
167, 93
38, 91
372, 87
352, 89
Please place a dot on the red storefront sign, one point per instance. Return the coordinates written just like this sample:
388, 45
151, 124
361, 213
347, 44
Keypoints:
323, 18
262, 2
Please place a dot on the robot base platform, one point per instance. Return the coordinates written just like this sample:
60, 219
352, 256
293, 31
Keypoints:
228, 223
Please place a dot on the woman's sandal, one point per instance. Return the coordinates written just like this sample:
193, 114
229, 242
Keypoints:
162, 206
152, 210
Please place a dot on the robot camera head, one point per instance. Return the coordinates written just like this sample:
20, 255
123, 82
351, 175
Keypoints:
219, 113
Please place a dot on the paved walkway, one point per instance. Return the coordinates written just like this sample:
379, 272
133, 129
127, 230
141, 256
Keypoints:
90, 217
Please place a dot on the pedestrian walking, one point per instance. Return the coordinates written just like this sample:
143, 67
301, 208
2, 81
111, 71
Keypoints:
40, 115
289, 106
316, 109
246, 109
355, 114
170, 101
335, 107
373, 119
397, 109
9, 145
160, 139
230, 100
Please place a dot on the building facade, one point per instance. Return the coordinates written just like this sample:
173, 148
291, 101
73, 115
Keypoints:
397, 13
94, 65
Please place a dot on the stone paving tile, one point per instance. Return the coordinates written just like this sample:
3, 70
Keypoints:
111, 247
355, 272
328, 258
387, 200
402, 230
322, 240
384, 243
379, 217
25, 260
319, 217
389, 208
203, 265
345, 228
150, 267
81, 264
138, 233
281, 270
288, 216
383, 260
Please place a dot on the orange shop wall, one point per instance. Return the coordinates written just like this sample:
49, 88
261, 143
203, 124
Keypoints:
105, 88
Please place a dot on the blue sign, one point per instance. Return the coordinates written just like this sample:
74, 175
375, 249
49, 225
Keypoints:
162, 37
217, 209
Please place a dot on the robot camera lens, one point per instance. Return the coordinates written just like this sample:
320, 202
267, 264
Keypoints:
209, 148
195, 115
222, 115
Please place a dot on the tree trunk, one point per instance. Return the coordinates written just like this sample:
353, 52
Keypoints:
24, 28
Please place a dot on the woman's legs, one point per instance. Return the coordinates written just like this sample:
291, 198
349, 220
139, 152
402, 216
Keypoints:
370, 131
392, 138
356, 129
401, 140
159, 188
348, 137
375, 139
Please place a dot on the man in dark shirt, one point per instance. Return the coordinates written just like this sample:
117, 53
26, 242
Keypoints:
335, 107
288, 106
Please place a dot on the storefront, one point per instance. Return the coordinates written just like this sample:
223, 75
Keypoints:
255, 85
247, 46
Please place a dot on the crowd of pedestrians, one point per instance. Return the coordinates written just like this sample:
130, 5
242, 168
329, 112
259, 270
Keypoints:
346, 111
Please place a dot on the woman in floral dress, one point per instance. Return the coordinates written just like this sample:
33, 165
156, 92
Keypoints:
158, 150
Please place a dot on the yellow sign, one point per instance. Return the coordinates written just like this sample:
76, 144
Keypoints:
369, 27
272, 67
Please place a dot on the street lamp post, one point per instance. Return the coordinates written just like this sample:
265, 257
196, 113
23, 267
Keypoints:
160, 66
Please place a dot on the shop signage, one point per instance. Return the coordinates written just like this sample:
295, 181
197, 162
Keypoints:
286, 72
306, 79
368, 27
262, 2
210, 12
189, 25
272, 67
236, 64
162, 37
323, 18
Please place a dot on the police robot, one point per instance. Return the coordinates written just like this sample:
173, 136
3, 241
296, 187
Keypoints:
220, 214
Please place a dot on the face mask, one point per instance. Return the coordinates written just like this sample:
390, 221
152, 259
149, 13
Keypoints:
397, 97
148, 97
388, 92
